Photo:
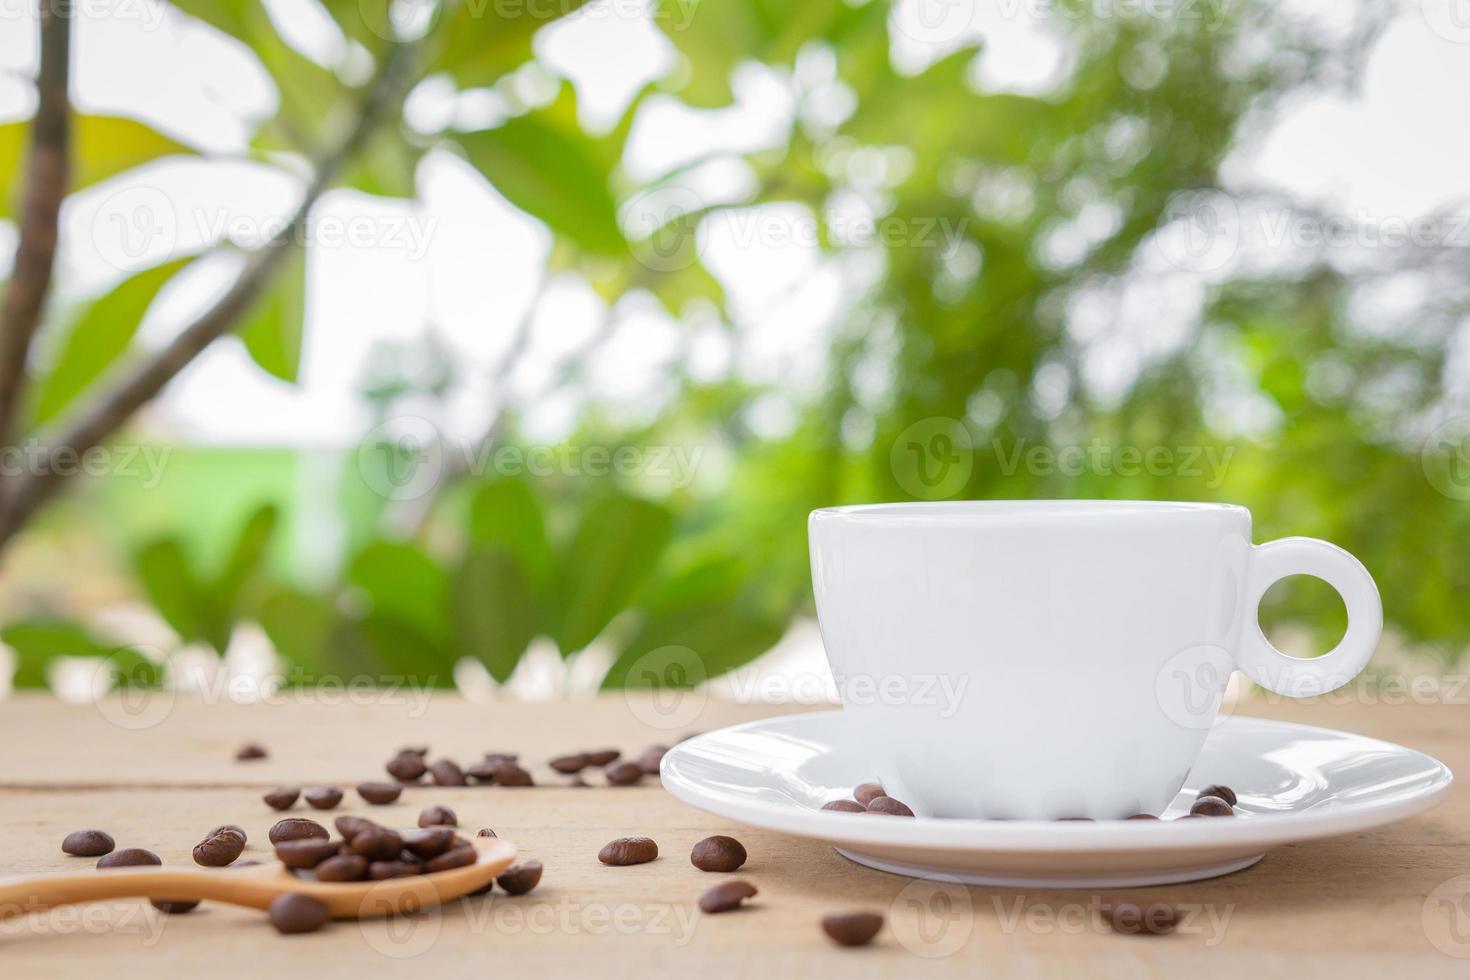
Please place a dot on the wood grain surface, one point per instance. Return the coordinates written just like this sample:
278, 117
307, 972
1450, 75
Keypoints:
160, 776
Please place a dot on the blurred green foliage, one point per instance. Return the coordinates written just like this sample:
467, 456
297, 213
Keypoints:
975, 329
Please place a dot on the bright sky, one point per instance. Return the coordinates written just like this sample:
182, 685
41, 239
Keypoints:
466, 264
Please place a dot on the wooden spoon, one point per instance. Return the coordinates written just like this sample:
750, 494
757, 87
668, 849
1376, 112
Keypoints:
256, 887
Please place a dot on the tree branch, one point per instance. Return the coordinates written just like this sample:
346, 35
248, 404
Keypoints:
43, 480
48, 172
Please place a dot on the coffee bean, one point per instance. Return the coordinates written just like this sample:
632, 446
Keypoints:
482, 772
282, 797
343, 867
294, 913
570, 763
866, 793
323, 797
628, 850
520, 877
299, 855
650, 758
498, 758
406, 768
1223, 792
296, 828
438, 816
717, 853
382, 870
429, 841
510, 774
1143, 816
485, 832
456, 857
446, 773
220, 847
852, 928
88, 843
377, 844
623, 773
1131, 920
418, 750
236, 828
603, 757
845, 806
173, 906
889, 806
249, 751
349, 827
379, 793
1211, 806
726, 896
128, 857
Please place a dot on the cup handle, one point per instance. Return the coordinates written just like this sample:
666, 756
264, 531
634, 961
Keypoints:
1292, 676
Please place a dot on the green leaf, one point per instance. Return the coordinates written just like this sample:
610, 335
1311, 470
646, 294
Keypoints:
272, 329
402, 653
403, 583
97, 338
300, 626
553, 173
506, 515
494, 610
246, 555
611, 555
176, 592
485, 41
39, 641
102, 147
698, 642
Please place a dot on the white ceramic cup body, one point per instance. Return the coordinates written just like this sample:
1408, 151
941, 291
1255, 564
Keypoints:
1049, 659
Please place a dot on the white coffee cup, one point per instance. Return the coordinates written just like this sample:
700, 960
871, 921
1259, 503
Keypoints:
1049, 659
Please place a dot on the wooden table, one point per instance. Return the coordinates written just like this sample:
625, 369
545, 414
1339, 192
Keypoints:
161, 778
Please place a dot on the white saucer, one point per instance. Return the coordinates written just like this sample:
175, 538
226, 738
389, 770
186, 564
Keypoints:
1294, 783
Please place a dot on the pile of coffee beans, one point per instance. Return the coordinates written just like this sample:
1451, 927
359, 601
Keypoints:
870, 798
1212, 801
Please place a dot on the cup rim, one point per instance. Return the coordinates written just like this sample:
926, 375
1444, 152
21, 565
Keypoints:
964, 511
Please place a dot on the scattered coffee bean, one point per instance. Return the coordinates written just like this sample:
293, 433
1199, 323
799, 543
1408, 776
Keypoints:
282, 797
456, 857
382, 870
482, 772
296, 828
296, 913
650, 758
1131, 920
323, 797
520, 877
603, 757
485, 832
173, 906
407, 767
1223, 792
717, 853
249, 751
852, 928
889, 806
726, 896
88, 843
377, 844
343, 867
379, 793
128, 857
1143, 816
866, 793
570, 763
438, 816
623, 773
220, 847
628, 850
428, 842
845, 806
446, 773
299, 855
1211, 806
349, 827
510, 774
